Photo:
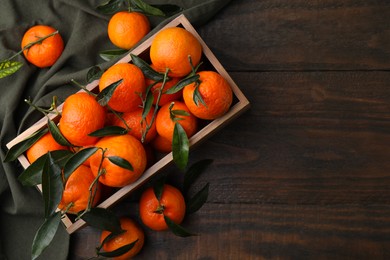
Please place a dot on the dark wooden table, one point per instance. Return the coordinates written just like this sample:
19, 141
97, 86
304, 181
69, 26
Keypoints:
305, 173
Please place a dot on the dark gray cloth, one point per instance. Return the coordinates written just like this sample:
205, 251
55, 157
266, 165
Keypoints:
84, 31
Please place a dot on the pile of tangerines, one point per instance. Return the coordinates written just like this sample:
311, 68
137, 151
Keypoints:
120, 159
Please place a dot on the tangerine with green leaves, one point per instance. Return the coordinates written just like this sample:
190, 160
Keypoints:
171, 49
169, 114
126, 29
164, 98
122, 147
81, 115
76, 193
45, 52
137, 124
127, 96
132, 233
44, 145
215, 92
171, 205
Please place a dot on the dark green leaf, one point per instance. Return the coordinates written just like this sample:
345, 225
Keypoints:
197, 201
77, 159
56, 133
109, 130
148, 9
9, 67
105, 95
148, 71
94, 73
32, 175
110, 7
45, 234
121, 162
118, 252
158, 188
194, 172
15, 151
52, 185
182, 83
197, 97
102, 219
177, 229
180, 146
177, 112
148, 104
169, 9
112, 54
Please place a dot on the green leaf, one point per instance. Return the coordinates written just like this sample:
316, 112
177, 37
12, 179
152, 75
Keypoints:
197, 201
56, 133
194, 172
8, 68
94, 73
158, 188
182, 83
121, 162
148, 104
45, 234
180, 146
32, 175
168, 9
77, 159
148, 71
15, 151
197, 97
177, 112
110, 7
52, 186
109, 130
177, 229
102, 219
148, 9
105, 95
112, 54
119, 251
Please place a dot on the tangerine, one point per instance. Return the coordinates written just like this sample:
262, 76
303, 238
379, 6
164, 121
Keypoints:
45, 144
171, 205
46, 52
161, 144
164, 98
215, 92
76, 192
81, 115
171, 48
126, 96
133, 232
165, 120
126, 147
126, 29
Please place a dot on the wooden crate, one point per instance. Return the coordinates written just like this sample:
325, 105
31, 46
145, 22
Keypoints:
239, 105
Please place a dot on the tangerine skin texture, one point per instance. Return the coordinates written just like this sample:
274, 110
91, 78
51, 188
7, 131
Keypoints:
46, 53
171, 48
45, 144
81, 115
215, 92
126, 97
174, 207
124, 146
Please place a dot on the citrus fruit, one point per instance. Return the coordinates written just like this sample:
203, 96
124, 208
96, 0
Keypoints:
76, 192
81, 115
45, 53
215, 92
137, 125
126, 29
164, 98
126, 96
171, 205
161, 144
126, 147
45, 144
133, 233
171, 48
165, 121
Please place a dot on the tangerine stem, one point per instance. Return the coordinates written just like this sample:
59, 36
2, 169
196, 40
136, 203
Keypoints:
159, 209
82, 87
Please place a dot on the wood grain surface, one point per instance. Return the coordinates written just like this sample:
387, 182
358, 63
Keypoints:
305, 173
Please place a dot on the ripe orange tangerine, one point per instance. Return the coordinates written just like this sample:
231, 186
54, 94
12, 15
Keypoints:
45, 144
